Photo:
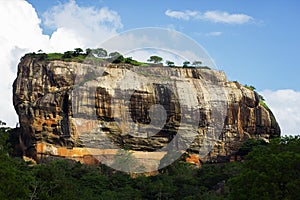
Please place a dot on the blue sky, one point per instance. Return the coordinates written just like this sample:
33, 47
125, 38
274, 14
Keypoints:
262, 52
254, 42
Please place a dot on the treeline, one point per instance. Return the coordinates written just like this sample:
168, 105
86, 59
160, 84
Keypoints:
100, 54
269, 171
78, 55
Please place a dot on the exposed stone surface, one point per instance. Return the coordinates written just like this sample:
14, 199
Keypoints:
69, 105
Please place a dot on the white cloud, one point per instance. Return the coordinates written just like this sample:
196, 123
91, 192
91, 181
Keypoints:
285, 104
73, 26
225, 17
212, 16
216, 33
81, 26
185, 15
20, 32
64, 39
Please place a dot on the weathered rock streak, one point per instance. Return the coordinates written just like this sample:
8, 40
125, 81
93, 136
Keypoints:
108, 106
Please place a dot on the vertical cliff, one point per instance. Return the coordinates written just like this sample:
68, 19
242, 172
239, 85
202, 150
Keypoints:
67, 107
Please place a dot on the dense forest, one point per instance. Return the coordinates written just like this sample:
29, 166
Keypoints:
268, 171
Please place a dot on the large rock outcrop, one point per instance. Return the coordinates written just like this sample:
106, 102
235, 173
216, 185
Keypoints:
67, 107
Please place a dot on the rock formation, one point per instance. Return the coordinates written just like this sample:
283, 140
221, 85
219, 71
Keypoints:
65, 108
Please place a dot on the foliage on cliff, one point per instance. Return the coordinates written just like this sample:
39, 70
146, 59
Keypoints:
78, 55
100, 54
270, 171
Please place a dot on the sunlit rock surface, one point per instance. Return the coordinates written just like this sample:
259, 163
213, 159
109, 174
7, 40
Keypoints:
67, 108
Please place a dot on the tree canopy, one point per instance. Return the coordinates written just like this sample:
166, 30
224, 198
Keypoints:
186, 63
270, 171
100, 52
170, 63
197, 63
155, 59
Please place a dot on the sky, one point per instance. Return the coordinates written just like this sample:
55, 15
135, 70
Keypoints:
255, 42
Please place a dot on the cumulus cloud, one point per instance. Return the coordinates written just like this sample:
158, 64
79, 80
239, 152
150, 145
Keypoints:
185, 15
20, 32
72, 26
225, 17
286, 108
212, 16
82, 26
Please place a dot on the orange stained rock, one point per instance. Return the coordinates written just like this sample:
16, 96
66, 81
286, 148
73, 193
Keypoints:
193, 159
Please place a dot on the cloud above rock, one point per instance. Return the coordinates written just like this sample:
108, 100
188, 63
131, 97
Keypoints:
21, 32
214, 16
82, 26
285, 104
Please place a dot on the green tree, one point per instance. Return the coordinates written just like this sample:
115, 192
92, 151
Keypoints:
249, 145
186, 63
109, 195
197, 63
100, 52
68, 54
119, 59
155, 59
56, 180
77, 52
115, 57
114, 54
4, 136
270, 172
250, 87
170, 63
129, 60
88, 51
15, 178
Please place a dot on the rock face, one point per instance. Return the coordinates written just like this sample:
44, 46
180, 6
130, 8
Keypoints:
75, 105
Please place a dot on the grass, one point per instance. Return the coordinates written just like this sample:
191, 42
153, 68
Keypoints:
250, 87
54, 56
136, 63
263, 104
